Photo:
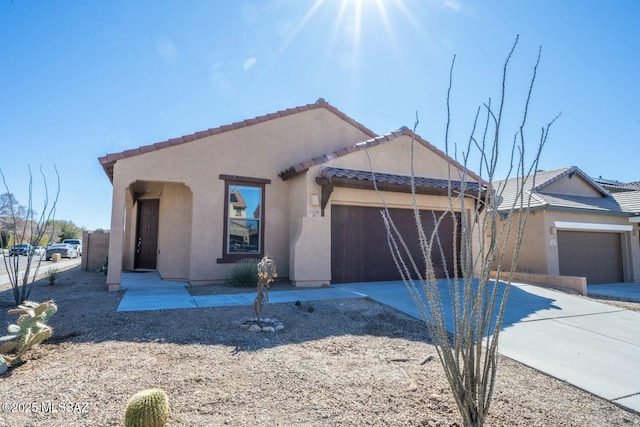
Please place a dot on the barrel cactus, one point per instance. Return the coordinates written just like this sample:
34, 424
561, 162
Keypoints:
147, 408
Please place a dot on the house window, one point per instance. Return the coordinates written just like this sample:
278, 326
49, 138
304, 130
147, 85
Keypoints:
244, 218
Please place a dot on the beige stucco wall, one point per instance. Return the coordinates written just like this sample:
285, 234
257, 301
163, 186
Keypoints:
395, 157
174, 237
258, 151
186, 179
573, 186
311, 233
533, 253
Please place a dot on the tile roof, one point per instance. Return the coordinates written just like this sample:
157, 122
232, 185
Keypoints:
542, 200
633, 185
108, 161
304, 166
386, 181
629, 200
614, 186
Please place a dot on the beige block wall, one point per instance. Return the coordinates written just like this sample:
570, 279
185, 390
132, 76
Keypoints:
95, 249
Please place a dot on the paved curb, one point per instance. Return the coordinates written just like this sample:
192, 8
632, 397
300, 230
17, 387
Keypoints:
44, 270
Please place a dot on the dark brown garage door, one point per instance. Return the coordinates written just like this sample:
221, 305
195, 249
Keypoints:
359, 248
596, 256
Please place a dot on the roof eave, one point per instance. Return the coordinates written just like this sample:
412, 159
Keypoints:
573, 210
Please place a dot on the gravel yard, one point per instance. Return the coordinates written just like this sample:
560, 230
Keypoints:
344, 363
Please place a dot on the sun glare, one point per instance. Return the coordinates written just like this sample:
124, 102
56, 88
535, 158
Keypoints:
351, 24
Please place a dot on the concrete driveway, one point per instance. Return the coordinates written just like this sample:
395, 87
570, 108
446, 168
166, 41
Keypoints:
594, 346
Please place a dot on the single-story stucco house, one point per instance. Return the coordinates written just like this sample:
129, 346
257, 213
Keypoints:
576, 227
296, 185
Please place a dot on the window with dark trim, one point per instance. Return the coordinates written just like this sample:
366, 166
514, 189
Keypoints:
243, 218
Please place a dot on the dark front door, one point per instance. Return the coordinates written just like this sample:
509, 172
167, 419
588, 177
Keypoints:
359, 248
147, 234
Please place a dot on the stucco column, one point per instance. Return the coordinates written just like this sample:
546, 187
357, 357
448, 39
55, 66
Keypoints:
634, 252
310, 253
206, 232
116, 236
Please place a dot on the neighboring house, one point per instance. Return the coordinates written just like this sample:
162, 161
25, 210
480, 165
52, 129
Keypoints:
577, 228
615, 186
296, 185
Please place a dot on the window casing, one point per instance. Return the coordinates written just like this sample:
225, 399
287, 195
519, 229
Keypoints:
243, 218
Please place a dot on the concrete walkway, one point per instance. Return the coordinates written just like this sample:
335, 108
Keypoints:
594, 346
146, 291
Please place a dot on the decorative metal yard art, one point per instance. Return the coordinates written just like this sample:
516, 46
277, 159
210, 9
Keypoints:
267, 272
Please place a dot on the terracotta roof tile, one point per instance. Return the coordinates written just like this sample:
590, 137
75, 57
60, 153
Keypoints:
436, 185
108, 160
163, 144
147, 148
133, 152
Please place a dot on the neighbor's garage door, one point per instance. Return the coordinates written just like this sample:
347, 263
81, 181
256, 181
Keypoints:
596, 256
359, 248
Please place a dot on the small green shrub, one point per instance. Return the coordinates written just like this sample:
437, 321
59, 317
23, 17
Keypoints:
52, 274
244, 274
147, 408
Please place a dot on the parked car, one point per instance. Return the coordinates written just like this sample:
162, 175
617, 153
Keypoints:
39, 251
21, 249
77, 244
64, 249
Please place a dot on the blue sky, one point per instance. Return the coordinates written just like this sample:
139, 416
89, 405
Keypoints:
82, 79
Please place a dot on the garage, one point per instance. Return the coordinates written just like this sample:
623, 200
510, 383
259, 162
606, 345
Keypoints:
359, 248
594, 255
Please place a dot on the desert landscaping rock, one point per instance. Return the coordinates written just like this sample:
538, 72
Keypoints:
263, 325
347, 363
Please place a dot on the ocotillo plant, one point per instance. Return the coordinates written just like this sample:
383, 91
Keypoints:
468, 347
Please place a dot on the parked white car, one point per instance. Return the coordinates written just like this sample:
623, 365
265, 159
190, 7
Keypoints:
76, 243
39, 251
64, 249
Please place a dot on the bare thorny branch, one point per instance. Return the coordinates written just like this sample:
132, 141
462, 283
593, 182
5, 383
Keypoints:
468, 352
21, 280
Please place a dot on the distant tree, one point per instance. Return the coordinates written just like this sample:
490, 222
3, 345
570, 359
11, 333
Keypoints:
99, 230
11, 210
9, 206
68, 230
